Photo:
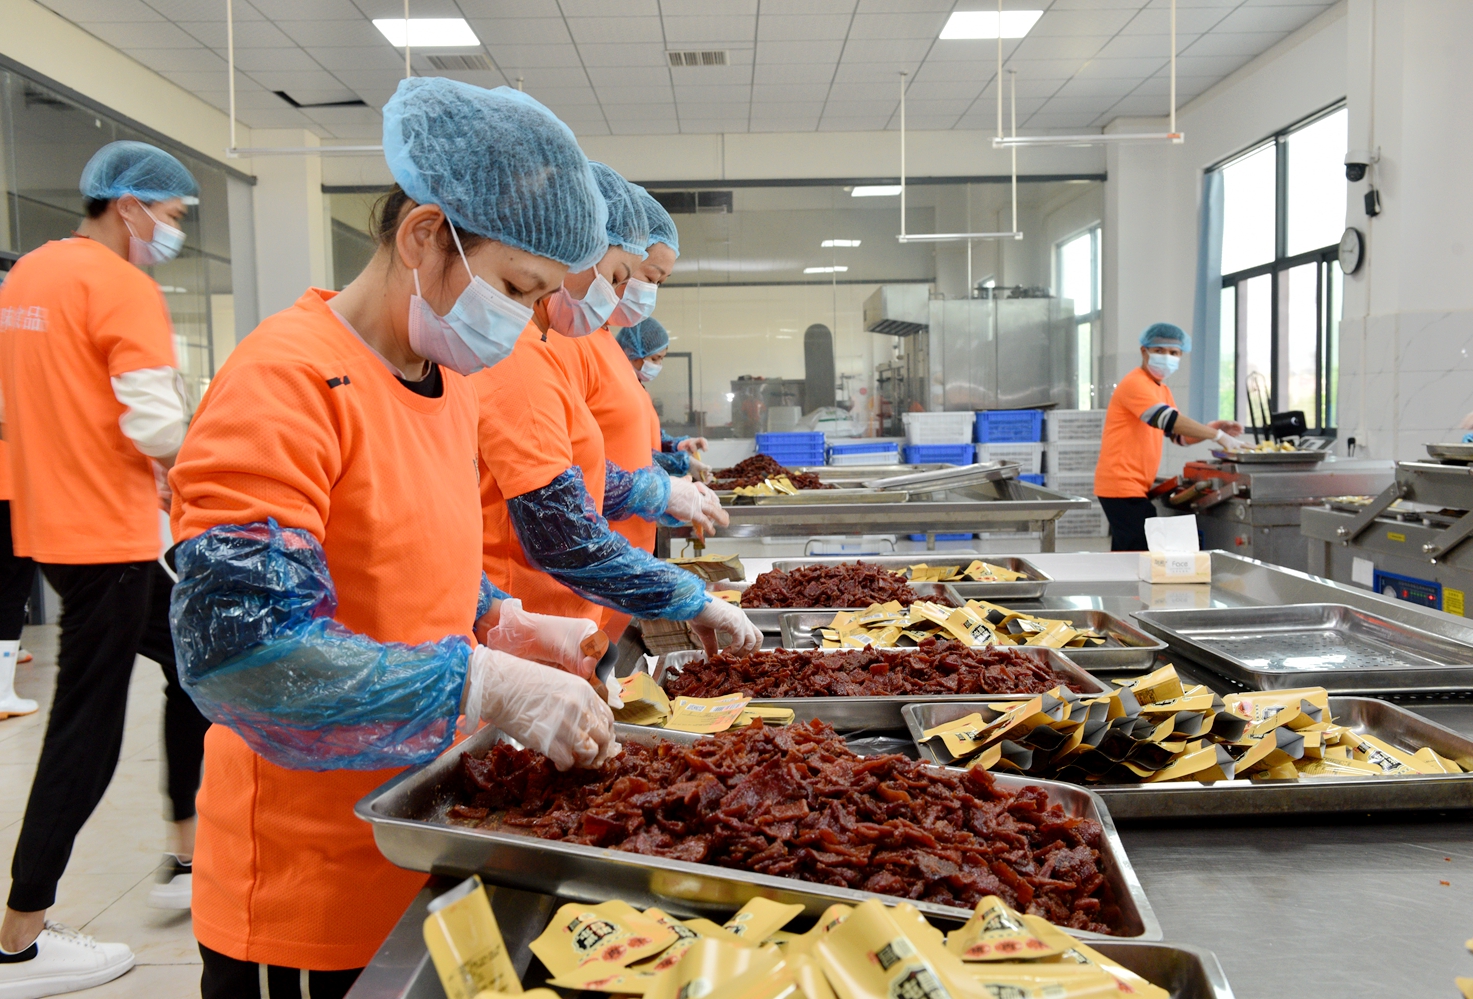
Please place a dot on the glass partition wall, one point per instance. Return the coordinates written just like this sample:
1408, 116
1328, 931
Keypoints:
46, 137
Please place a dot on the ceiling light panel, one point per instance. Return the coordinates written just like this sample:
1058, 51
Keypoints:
876, 191
966, 24
840, 269
427, 32
839, 242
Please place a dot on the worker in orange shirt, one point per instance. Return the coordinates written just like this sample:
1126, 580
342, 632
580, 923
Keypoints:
17, 574
330, 579
644, 346
1141, 415
549, 490
88, 374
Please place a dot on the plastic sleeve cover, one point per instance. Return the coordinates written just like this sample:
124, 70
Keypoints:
258, 652
644, 493
563, 535
489, 592
669, 444
673, 462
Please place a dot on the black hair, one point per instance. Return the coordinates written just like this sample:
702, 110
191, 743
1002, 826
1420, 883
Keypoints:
389, 211
96, 207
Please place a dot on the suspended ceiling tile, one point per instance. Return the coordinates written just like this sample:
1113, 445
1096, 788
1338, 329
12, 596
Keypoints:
297, 10
818, 6
142, 34
640, 76
618, 30
294, 81
284, 59
333, 117
1138, 106
954, 107
970, 50
1080, 47
879, 90
977, 72
551, 57
694, 8
180, 60
1285, 18
622, 112
1092, 4
831, 123
285, 118
248, 34
355, 33
799, 52
1073, 23
192, 10
772, 109
906, 51
634, 96
1189, 21
78, 11
708, 95
1045, 69
1143, 46
378, 57
872, 72
1117, 70
1227, 44
709, 31
804, 27
596, 8
904, 6
1077, 105
1203, 65
509, 8
703, 109
520, 31
925, 26
774, 75
711, 76
845, 108
1159, 85
634, 54
795, 124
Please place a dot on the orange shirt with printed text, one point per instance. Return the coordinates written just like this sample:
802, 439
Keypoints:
73, 316
304, 423
534, 425
1130, 452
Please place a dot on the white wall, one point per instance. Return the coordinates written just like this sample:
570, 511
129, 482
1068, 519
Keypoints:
1151, 199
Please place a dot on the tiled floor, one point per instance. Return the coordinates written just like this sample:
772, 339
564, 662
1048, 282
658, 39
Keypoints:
105, 890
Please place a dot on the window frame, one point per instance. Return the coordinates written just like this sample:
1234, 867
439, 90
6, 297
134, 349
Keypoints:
1326, 326
1093, 318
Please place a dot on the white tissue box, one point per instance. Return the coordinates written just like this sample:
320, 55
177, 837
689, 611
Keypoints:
1176, 567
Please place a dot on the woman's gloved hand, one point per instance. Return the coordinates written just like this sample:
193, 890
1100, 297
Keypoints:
699, 470
692, 444
1228, 441
564, 642
720, 616
695, 504
555, 713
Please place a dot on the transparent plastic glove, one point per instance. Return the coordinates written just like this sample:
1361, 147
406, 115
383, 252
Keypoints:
545, 709
695, 504
699, 470
720, 616
692, 444
1228, 441
557, 641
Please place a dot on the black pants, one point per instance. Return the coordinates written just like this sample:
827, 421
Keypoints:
226, 978
109, 615
1127, 519
16, 575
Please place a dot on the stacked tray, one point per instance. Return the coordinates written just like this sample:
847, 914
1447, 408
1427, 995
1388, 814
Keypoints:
851, 714
1340, 648
407, 816
1030, 588
769, 619
1191, 799
1127, 650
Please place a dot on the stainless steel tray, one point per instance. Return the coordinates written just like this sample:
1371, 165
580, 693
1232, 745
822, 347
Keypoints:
1307, 645
769, 619
1185, 972
942, 479
1271, 457
825, 496
1031, 588
407, 818
1191, 799
851, 714
1450, 452
1128, 650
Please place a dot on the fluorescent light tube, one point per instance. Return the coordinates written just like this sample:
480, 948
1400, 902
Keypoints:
984, 24
427, 32
825, 270
875, 190
839, 242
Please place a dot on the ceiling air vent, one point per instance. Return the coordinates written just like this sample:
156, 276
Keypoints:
462, 63
713, 57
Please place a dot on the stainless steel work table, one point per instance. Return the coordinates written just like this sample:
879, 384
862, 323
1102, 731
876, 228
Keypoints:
1310, 908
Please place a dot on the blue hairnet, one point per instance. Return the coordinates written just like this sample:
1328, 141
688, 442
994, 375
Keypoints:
662, 226
1166, 335
643, 339
259, 652
146, 172
499, 165
628, 228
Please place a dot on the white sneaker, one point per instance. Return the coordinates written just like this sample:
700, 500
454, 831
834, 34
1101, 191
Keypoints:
61, 960
11, 705
174, 889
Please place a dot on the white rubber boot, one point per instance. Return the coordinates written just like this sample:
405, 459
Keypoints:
10, 705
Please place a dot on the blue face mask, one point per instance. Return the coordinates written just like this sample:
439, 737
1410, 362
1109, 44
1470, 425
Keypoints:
636, 304
1163, 364
577, 317
478, 331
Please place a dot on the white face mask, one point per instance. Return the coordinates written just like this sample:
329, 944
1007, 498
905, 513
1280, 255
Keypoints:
577, 317
648, 370
165, 245
1163, 364
636, 304
480, 329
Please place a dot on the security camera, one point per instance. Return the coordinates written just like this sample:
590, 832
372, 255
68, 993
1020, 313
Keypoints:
1356, 162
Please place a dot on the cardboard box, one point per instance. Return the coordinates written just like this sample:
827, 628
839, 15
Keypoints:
1176, 567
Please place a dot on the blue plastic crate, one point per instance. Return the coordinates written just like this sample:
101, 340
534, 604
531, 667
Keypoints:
1010, 426
948, 454
862, 447
1030, 477
943, 537
806, 438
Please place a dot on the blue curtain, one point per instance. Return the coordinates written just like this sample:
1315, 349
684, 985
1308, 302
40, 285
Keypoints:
1207, 313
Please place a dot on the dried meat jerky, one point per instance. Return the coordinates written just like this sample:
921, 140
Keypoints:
934, 667
796, 802
758, 469
852, 584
